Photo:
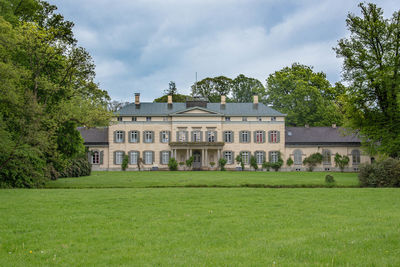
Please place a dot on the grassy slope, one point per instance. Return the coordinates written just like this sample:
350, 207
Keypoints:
200, 226
146, 179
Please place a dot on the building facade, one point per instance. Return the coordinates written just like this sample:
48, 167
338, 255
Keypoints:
151, 133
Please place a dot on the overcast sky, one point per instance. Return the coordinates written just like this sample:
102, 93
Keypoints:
139, 46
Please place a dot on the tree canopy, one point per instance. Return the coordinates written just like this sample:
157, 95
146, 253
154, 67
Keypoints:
371, 67
244, 88
212, 88
305, 96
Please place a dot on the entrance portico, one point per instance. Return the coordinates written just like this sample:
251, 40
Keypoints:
202, 152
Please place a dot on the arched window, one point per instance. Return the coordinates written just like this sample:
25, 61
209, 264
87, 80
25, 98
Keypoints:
95, 157
355, 156
326, 156
297, 155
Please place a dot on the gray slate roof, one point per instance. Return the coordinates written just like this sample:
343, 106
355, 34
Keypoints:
229, 109
319, 135
94, 136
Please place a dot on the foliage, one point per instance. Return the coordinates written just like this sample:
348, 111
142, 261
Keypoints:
212, 88
289, 161
312, 161
173, 164
171, 89
253, 162
181, 163
371, 67
177, 98
240, 161
341, 161
125, 162
77, 167
384, 173
305, 96
212, 164
278, 164
222, 163
189, 162
266, 165
244, 88
47, 89
329, 179
115, 105
139, 163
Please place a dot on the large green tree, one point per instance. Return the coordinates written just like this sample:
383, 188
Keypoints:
244, 88
212, 88
371, 67
305, 96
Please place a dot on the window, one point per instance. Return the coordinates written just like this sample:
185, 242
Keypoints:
227, 118
134, 118
211, 137
164, 157
259, 118
148, 118
164, 136
228, 137
259, 138
196, 136
355, 154
133, 157
260, 157
182, 136
245, 137
119, 155
134, 137
274, 156
148, 137
119, 136
273, 118
245, 157
95, 157
148, 157
119, 118
228, 155
244, 118
297, 155
273, 137
326, 156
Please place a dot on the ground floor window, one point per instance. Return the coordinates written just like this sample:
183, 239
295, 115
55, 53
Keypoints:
245, 157
228, 155
274, 156
298, 157
164, 157
95, 157
260, 157
134, 155
148, 157
356, 156
119, 155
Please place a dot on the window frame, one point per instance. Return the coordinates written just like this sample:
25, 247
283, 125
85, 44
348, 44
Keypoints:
246, 160
119, 133
148, 118
273, 136
231, 160
145, 139
137, 157
162, 138
259, 139
326, 160
262, 159
145, 153
162, 159
274, 156
297, 152
356, 154
230, 134
211, 136
121, 153
248, 136
131, 133
94, 159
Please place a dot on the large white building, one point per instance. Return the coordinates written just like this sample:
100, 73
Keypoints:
151, 133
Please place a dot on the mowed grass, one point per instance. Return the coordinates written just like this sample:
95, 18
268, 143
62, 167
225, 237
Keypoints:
200, 227
119, 179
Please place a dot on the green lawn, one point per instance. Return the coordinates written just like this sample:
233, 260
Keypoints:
199, 226
196, 178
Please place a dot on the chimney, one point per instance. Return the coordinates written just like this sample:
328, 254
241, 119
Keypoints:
137, 98
255, 99
169, 99
223, 100
334, 125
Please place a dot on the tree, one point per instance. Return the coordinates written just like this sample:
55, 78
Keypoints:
222, 163
176, 98
115, 105
305, 96
212, 88
244, 88
171, 89
341, 161
253, 162
371, 66
240, 161
312, 161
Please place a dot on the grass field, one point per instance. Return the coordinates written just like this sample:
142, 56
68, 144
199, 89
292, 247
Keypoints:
205, 178
113, 224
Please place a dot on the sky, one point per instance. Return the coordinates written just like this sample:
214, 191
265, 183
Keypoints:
139, 46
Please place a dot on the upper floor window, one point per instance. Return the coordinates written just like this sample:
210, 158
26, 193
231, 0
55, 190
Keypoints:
133, 157
196, 136
274, 156
227, 118
245, 157
119, 155
148, 118
273, 136
228, 155
165, 118
326, 156
211, 137
119, 118
119, 136
259, 118
259, 137
273, 118
148, 137
228, 137
260, 157
182, 136
95, 157
134, 136
164, 157
245, 137
244, 118
148, 157
164, 137
297, 155
355, 154
134, 118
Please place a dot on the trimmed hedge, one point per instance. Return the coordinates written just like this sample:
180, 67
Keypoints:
385, 173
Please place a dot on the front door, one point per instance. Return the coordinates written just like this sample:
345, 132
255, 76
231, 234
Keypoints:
196, 160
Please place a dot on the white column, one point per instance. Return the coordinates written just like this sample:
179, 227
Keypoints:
202, 157
190, 152
219, 154
206, 157
187, 153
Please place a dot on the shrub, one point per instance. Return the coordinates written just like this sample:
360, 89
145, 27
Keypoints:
172, 164
212, 163
222, 163
77, 167
312, 161
341, 161
253, 162
289, 162
384, 173
189, 162
239, 160
125, 162
266, 165
277, 165
329, 179
181, 163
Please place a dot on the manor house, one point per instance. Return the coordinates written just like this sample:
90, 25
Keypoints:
151, 133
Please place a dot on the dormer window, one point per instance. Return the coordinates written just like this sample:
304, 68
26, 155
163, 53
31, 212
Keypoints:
273, 118
134, 118
259, 118
148, 118
119, 118
227, 118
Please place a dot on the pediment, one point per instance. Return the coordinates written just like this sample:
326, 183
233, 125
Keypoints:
196, 111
